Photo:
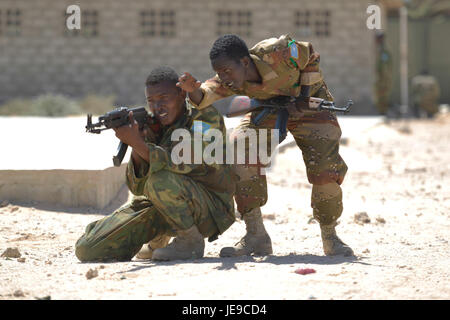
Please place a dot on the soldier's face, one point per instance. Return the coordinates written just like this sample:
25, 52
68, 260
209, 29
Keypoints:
166, 101
232, 73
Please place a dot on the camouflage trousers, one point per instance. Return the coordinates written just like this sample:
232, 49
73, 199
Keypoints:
171, 202
317, 134
382, 96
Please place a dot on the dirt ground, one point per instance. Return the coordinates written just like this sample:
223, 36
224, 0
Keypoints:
399, 176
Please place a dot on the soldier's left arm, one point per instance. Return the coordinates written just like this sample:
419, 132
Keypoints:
307, 60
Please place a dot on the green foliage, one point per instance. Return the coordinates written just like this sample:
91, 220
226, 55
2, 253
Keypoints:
97, 105
16, 107
47, 105
55, 106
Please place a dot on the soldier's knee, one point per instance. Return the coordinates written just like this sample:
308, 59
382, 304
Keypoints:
326, 191
333, 172
325, 177
90, 251
251, 189
326, 201
83, 250
247, 201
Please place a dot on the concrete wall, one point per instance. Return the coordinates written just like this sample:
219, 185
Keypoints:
43, 58
72, 188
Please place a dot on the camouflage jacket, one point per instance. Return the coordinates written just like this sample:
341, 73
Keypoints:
217, 178
284, 64
384, 66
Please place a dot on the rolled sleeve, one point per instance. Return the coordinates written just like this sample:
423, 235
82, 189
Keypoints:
213, 90
136, 180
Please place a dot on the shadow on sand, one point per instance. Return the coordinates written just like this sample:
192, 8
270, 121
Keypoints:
230, 263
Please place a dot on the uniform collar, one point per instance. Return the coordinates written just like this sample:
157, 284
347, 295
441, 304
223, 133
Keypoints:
181, 121
264, 68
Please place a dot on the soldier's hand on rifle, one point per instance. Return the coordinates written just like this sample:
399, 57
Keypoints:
130, 134
188, 83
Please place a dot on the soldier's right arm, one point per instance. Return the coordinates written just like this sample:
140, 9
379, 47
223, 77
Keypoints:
202, 95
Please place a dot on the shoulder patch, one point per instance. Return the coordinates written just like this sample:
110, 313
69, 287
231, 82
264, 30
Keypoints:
200, 126
294, 50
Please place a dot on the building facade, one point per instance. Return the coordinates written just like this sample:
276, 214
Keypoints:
121, 41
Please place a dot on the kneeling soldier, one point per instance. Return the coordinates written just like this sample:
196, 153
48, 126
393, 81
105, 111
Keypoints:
188, 201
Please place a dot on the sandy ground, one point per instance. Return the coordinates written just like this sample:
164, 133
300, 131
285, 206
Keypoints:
399, 176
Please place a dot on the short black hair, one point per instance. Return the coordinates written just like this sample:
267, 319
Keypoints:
161, 74
230, 46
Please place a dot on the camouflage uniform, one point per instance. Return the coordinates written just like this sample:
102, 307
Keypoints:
383, 82
168, 197
425, 91
286, 65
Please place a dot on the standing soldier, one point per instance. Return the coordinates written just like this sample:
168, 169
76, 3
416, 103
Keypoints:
383, 82
190, 201
273, 67
425, 91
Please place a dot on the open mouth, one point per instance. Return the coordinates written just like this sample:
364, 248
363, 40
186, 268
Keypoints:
230, 84
162, 115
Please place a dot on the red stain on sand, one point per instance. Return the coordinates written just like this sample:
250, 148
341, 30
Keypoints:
305, 271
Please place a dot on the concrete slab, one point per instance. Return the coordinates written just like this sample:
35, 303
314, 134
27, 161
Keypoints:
71, 188
54, 161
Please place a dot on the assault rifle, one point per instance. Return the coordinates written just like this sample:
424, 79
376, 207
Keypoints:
120, 117
282, 106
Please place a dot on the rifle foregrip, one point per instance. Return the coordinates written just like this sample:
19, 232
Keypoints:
121, 151
281, 123
261, 116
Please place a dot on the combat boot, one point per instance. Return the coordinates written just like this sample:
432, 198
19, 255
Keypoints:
188, 244
256, 240
147, 249
332, 245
